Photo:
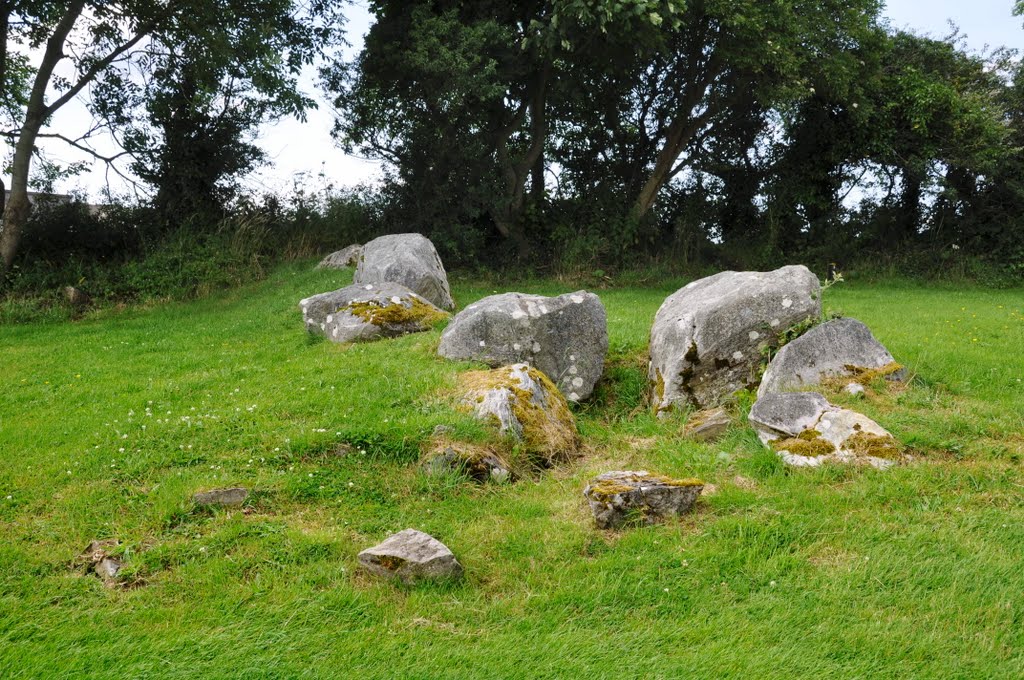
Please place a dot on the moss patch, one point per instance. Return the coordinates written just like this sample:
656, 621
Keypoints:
876, 446
411, 312
808, 443
867, 376
548, 428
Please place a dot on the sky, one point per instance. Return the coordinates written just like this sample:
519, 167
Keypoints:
303, 154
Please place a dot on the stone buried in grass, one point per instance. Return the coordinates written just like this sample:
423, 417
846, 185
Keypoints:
805, 430
627, 497
706, 426
707, 338
409, 260
566, 337
411, 556
99, 561
221, 497
479, 463
526, 406
366, 312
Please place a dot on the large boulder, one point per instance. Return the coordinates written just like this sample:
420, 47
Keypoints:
411, 556
622, 497
526, 406
707, 338
341, 259
365, 312
844, 347
805, 430
566, 337
408, 259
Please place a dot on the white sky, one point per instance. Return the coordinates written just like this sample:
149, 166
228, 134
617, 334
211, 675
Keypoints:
299, 152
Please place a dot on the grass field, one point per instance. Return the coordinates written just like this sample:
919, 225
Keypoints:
109, 424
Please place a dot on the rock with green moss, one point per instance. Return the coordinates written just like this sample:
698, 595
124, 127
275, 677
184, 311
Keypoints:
407, 259
342, 259
524, 404
709, 337
805, 430
834, 349
622, 498
411, 556
566, 337
365, 312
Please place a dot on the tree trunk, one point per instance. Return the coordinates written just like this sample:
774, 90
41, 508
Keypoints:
17, 210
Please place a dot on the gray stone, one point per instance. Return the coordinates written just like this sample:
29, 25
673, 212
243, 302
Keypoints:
479, 464
854, 389
411, 556
566, 337
366, 312
805, 430
708, 337
638, 497
223, 497
407, 259
77, 297
342, 259
526, 406
825, 351
706, 426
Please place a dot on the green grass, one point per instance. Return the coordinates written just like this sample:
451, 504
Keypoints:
109, 424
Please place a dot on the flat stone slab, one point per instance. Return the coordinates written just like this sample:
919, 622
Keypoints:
407, 259
638, 497
833, 349
342, 259
411, 556
566, 337
222, 497
805, 430
708, 337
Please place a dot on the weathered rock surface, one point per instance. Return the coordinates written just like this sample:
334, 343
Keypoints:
627, 497
707, 337
480, 464
525, 405
806, 431
833, 349
411, 555
342, 259
709, 425
370, 311
407, 259
566, 337
222, 497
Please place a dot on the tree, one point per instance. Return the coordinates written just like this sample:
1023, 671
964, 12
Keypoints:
108, 43
477, 78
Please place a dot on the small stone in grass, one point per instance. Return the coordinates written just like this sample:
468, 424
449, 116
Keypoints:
411, 556
639, 497
222, 497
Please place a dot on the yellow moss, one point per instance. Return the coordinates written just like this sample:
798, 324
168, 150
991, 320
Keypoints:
876, 446
550, 431
416, 312
866, 376
808, 443
603, 490
659, 390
